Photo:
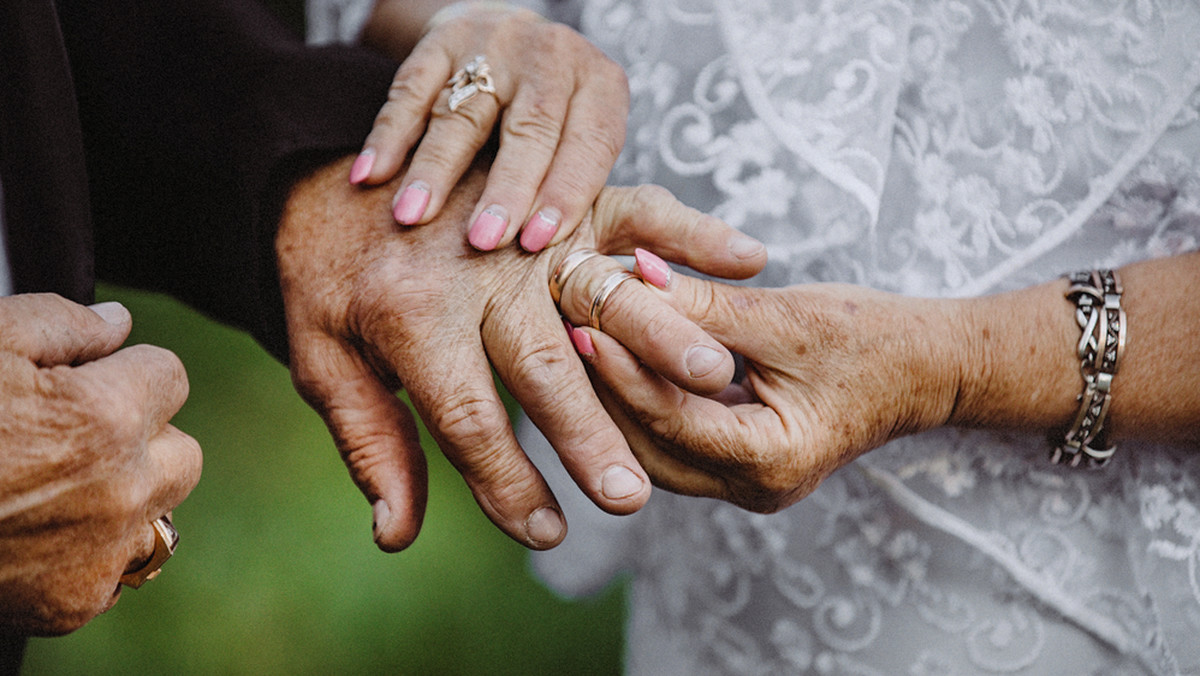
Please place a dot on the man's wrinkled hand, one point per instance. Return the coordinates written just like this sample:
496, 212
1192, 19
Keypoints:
88, 462
372, 307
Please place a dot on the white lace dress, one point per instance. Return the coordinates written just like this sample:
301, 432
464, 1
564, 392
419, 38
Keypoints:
939, 148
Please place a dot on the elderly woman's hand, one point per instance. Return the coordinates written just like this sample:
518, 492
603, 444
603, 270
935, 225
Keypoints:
831, 371
561, 106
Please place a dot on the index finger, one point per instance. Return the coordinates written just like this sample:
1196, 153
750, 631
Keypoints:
402, 119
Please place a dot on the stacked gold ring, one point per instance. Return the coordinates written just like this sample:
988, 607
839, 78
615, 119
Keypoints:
568, 265
610, 284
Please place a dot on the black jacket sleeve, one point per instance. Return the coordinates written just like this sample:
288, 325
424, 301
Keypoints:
196, 114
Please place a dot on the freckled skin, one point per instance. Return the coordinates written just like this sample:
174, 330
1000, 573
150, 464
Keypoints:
834, 371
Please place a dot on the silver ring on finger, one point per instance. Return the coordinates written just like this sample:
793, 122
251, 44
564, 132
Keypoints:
610, 284
166, 539
471, 79
565, 267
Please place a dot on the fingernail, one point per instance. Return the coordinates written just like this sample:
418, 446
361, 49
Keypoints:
583, 343
701, 360
544, 526
652, 268
411, 202
539, 230
618, 482
362, 166
382, 514
743, 246
112, 312
488, 228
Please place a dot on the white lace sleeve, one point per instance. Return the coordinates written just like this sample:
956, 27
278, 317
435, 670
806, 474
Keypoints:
334, 21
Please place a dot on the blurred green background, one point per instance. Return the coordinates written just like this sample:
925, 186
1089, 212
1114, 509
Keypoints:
276, 571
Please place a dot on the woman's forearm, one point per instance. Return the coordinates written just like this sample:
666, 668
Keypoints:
1020, 369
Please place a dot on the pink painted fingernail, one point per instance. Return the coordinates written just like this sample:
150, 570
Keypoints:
539, 231
362, 166
744, 246
411, 202
652, 268
488, 228
583, 343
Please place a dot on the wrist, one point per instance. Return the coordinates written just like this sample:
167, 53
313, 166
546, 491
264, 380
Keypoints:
940, 355
1018, 368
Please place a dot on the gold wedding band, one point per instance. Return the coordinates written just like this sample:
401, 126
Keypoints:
166, 538
610, 284
558, 280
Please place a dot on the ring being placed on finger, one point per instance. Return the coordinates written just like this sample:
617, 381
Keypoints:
565, 267
166, 538
471, 79
610, 284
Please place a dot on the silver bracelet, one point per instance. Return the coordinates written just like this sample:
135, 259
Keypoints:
1101, 319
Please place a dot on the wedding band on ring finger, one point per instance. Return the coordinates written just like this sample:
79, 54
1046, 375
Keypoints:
468, 81
166, 539
606, 289
568, 265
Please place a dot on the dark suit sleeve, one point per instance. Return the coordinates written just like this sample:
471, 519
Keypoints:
196, 115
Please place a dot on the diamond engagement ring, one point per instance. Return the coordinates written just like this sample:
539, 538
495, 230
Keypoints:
471, 79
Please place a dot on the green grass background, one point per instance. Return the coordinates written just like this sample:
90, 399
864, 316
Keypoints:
276, 571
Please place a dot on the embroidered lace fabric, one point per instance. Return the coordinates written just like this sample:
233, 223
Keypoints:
928, 147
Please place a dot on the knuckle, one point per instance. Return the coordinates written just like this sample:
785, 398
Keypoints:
470, 423
648, 197
604, 142
115, 419
193, 462
536, 123
543, 364
405, 90
384, 291
479, 117
556, 40
167, 366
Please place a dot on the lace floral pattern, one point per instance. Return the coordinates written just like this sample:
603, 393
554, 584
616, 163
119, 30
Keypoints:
938, 148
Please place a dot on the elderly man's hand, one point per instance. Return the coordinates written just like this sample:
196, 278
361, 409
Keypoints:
373, 307
87, 458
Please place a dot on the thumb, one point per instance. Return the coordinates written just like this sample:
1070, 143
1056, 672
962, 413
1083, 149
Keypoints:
50, 330
738, 317
375, 434
650, 217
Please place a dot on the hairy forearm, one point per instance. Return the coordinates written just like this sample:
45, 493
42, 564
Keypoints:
1019, 368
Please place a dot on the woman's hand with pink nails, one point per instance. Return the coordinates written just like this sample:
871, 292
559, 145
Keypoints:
559, 108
